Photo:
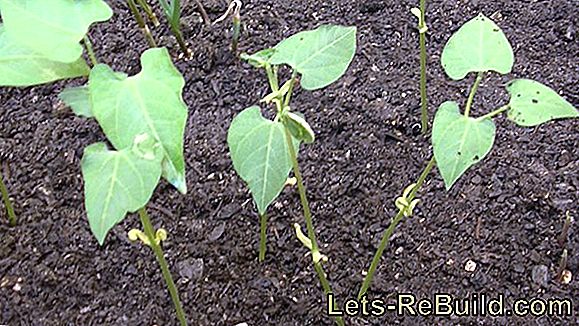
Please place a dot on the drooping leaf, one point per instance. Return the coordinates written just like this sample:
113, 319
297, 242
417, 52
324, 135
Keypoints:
260, 155
459, 142
20, 66
149, 102
78, 99
533, 103
479, 45
52, 28
117, 182
300, 129
321, 55
258, 59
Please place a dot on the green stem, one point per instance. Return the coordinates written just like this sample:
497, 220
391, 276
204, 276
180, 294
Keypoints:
308, 216
288, 96
150, 233
388, 233
479, 77
141, 22
423, 95
7, 202
90, 50
176, 30
262, 236
236, 33
149, 11
495, 112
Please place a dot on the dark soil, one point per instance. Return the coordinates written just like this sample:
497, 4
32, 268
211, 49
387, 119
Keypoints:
52, 271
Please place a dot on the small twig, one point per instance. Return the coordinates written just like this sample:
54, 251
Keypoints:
203, 13
562, 239
562, 265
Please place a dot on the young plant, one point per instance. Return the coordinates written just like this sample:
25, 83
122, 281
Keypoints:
234, 10
264, 151
141, 20
460, 141
7, 202
172, 10
142, 116
422, 29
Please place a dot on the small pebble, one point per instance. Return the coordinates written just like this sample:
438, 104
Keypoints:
470, 266
540, 275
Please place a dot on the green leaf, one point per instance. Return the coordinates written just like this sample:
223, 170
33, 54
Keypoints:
533, 103
78, 99
459, 142
52, 28
299, 128
20, 66
149, 102
479, 45
117, 182
321, 55
260, 155
258, 59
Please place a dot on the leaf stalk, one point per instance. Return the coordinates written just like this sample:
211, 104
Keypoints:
473, 90
90, 50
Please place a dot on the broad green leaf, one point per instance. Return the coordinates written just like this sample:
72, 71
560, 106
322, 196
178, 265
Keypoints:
78, 99
479, 45
533, 103
149, 102
300, 128
258, 59
20, 66
52, 28
459, 142
321, 55
118, 182
260, 155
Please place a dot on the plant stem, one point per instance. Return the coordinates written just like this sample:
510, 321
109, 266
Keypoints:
262, 236
388, 233
150, 233
495, 112
308, 216
288, 96
90, 50
141, 22
176, 30
7, 202
479, 77
149, 11
236, 32
423, 95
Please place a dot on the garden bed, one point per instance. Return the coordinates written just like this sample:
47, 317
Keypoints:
505, 214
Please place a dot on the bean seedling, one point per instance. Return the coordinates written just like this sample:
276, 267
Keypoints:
234, 10
460, 141
422, 29
264, 151
143, 116
172, 10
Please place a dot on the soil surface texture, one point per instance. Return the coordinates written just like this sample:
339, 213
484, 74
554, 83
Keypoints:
504, 214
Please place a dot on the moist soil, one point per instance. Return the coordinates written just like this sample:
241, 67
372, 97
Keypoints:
505, 213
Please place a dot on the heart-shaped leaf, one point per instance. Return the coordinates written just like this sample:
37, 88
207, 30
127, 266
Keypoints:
459, 142
479, 45
150, 103
78, 99
52, 28
20, 66
260, 155
321, 55
533, 103
117, 182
